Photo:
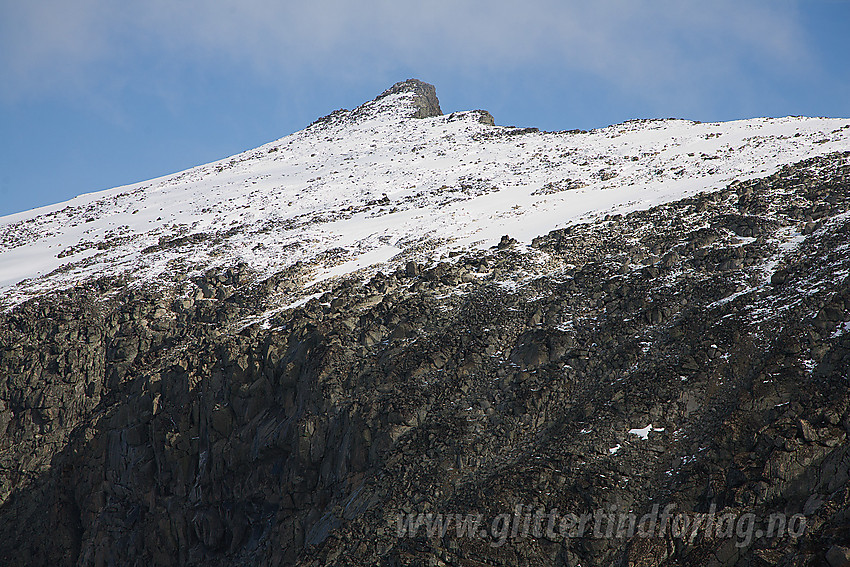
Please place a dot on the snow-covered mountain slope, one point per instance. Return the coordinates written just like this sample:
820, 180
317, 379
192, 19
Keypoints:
375, 185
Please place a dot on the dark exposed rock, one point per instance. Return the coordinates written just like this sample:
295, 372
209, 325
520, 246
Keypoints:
838, 556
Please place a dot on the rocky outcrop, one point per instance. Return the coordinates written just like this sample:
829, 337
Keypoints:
425, 102
138, 427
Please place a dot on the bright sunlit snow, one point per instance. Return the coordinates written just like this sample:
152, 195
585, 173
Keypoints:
643, 432
361, 188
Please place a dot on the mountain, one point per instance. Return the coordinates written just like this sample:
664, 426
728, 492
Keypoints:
294, 355
362, 187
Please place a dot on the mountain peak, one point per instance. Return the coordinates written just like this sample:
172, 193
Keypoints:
424, 99
411, 99
406, 99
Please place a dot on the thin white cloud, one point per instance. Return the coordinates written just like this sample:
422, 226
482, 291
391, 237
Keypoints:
49, 46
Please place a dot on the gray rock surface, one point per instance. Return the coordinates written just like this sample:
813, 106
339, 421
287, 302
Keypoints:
425, 101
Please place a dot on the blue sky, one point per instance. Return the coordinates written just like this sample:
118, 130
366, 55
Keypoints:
100, 93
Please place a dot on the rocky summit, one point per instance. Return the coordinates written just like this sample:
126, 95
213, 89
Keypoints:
403, 337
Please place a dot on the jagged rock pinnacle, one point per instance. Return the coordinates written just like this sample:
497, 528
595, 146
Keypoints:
420, 101
425, 102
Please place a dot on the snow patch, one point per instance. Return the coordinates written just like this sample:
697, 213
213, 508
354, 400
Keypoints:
643, 432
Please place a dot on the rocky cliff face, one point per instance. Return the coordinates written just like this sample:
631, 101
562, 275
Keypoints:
425, 99
172, 426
